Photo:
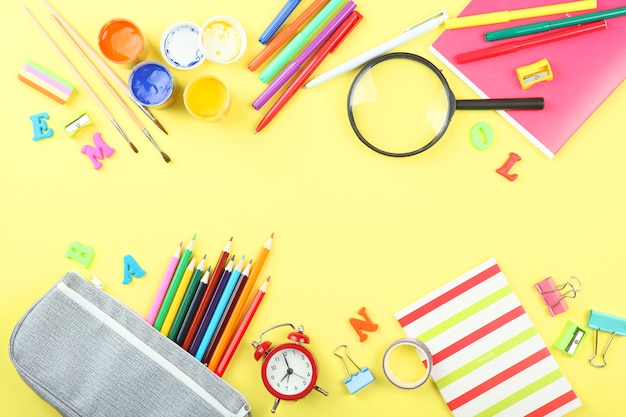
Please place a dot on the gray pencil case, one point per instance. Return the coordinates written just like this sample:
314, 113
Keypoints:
88, 355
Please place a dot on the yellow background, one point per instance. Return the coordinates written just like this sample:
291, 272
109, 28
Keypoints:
352, 228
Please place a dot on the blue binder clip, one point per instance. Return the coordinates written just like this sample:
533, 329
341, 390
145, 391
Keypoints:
606, 323
359, 379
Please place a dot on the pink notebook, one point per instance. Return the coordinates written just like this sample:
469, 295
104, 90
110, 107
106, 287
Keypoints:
586, 70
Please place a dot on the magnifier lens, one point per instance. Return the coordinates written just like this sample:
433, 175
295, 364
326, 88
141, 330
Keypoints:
399, 105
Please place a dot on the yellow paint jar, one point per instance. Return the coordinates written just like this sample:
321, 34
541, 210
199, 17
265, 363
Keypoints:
207, 98
223, 39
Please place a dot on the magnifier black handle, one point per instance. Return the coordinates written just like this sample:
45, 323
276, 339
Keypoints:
533, 103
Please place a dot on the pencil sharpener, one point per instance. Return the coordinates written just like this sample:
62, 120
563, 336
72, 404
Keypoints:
532, 74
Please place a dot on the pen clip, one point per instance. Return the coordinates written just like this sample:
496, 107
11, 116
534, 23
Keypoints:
442, 15
353, 20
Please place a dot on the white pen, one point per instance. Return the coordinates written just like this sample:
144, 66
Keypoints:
407, 34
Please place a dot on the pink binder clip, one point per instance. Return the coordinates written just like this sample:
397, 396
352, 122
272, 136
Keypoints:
553, 296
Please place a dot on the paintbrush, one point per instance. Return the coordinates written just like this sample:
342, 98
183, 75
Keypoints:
104, 66
111, 89
91, 92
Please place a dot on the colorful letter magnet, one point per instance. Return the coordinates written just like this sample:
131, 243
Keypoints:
532, 74
46, 82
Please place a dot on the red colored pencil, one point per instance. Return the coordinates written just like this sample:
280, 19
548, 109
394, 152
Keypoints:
245, 322
216, 273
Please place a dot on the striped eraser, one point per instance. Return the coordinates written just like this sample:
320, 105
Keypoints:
45, 81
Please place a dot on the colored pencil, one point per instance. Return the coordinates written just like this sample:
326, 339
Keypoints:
171, 290
215, 314
238, 312
165, 283
260, 260
241, 330
104, 66
230, 307
193, 307
286, 34
178, 297
206, 317
185, 304
185, 340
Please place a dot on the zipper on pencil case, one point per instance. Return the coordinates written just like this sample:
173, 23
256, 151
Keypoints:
107, 320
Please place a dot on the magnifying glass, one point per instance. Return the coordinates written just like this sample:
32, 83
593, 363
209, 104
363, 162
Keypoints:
400, 104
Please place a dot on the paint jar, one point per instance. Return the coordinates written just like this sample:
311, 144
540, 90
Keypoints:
223, 39
122, 42
180, 47
207, 98
151, 84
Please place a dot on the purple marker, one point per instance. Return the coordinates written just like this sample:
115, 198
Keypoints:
295, 65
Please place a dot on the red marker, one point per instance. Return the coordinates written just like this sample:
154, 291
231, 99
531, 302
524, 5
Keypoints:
329, 47
508, 47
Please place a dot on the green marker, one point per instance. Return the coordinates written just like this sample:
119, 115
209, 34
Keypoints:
171, 290
298, 41
554, 24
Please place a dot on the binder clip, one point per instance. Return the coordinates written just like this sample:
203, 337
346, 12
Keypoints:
534, 73
606, 323
552, 295
359, 379
570, 340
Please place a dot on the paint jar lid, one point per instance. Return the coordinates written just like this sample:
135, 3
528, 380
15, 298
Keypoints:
222, 39
179, 46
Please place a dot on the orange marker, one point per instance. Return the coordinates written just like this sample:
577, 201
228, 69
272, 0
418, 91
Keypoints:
286, 34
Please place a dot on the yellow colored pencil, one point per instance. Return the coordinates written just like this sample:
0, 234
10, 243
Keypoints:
239, 310
178, 298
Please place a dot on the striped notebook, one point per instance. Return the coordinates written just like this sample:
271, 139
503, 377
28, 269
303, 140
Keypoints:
488, 358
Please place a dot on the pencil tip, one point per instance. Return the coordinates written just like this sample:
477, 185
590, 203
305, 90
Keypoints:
165, 157
272, 235
133, 147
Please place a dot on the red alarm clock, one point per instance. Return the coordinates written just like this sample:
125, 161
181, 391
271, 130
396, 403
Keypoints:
289, 370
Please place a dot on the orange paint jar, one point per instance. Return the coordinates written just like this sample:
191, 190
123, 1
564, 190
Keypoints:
122, 42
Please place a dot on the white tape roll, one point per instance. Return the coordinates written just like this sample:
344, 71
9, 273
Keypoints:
420, 347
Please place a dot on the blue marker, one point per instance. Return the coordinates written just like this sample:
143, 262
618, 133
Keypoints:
278, 21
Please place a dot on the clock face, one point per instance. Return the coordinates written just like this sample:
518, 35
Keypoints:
289, 372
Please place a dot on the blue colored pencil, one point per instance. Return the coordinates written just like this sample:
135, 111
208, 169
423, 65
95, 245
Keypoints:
206, 318
220, 307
